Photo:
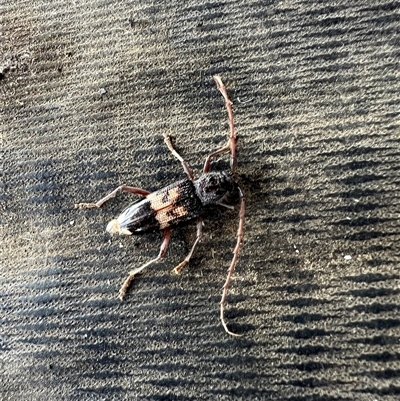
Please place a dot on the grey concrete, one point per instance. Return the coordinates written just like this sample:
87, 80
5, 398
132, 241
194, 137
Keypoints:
89, 87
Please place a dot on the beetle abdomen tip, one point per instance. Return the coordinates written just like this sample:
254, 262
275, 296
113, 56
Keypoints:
113, 226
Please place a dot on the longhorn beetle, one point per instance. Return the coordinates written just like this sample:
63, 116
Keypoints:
182, 201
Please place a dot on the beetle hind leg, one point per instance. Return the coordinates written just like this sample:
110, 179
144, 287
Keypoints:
121, 188
132, 274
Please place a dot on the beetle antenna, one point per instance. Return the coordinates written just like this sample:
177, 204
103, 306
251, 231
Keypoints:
232, 136
233, 263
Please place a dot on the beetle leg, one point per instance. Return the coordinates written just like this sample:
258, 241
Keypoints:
233, 263
199, 234
207, 163
132, 274
231, 207
185, 166
122, 188
231, 145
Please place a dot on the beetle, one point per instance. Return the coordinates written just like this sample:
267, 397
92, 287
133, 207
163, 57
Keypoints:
182, 201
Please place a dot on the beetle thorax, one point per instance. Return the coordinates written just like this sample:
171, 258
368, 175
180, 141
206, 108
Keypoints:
213, 187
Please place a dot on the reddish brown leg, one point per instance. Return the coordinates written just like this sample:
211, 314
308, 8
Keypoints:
232, 136
185, 166
122, 188
233, 263
207, 163
199, 234
132, 274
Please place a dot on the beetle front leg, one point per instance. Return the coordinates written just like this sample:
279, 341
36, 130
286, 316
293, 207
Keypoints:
199, 234
132, 274
207, 163
121, 188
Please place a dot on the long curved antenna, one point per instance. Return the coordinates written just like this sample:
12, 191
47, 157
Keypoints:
231, 144
232, 135
233, 263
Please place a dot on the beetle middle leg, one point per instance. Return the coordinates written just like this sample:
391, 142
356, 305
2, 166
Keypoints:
199, 234
132, 274
185, 166
121, 188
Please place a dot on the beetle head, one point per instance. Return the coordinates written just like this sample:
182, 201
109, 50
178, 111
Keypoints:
215, 186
